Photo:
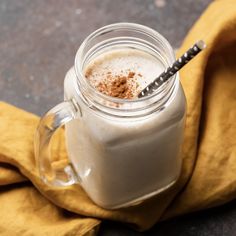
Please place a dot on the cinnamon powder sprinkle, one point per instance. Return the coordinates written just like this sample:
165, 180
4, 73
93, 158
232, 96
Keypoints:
119, 86
131, 75
88, 73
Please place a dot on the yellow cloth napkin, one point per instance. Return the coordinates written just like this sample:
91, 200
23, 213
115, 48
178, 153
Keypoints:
208, 178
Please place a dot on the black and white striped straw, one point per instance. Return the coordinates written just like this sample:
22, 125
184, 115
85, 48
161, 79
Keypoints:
170, 71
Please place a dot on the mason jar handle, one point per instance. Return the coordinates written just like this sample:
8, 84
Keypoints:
58, 116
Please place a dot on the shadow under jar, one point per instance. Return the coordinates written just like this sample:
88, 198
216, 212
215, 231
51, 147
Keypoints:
121, 151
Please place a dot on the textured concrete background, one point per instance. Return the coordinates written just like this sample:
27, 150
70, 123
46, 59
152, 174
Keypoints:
38, 42
39, 39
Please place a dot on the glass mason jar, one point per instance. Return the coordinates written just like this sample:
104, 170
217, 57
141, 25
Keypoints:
120, 151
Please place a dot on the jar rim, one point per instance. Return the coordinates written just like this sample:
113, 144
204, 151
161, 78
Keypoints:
112, 27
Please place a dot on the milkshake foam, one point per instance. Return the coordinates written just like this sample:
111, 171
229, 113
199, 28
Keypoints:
123, 73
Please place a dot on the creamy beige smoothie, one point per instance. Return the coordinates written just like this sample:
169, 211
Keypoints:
123, 73
122, 161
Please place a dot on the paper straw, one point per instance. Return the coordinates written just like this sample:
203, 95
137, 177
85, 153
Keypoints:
170, 71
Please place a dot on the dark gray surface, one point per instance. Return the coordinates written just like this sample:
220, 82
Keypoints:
219, 221
39, 39
38, 42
